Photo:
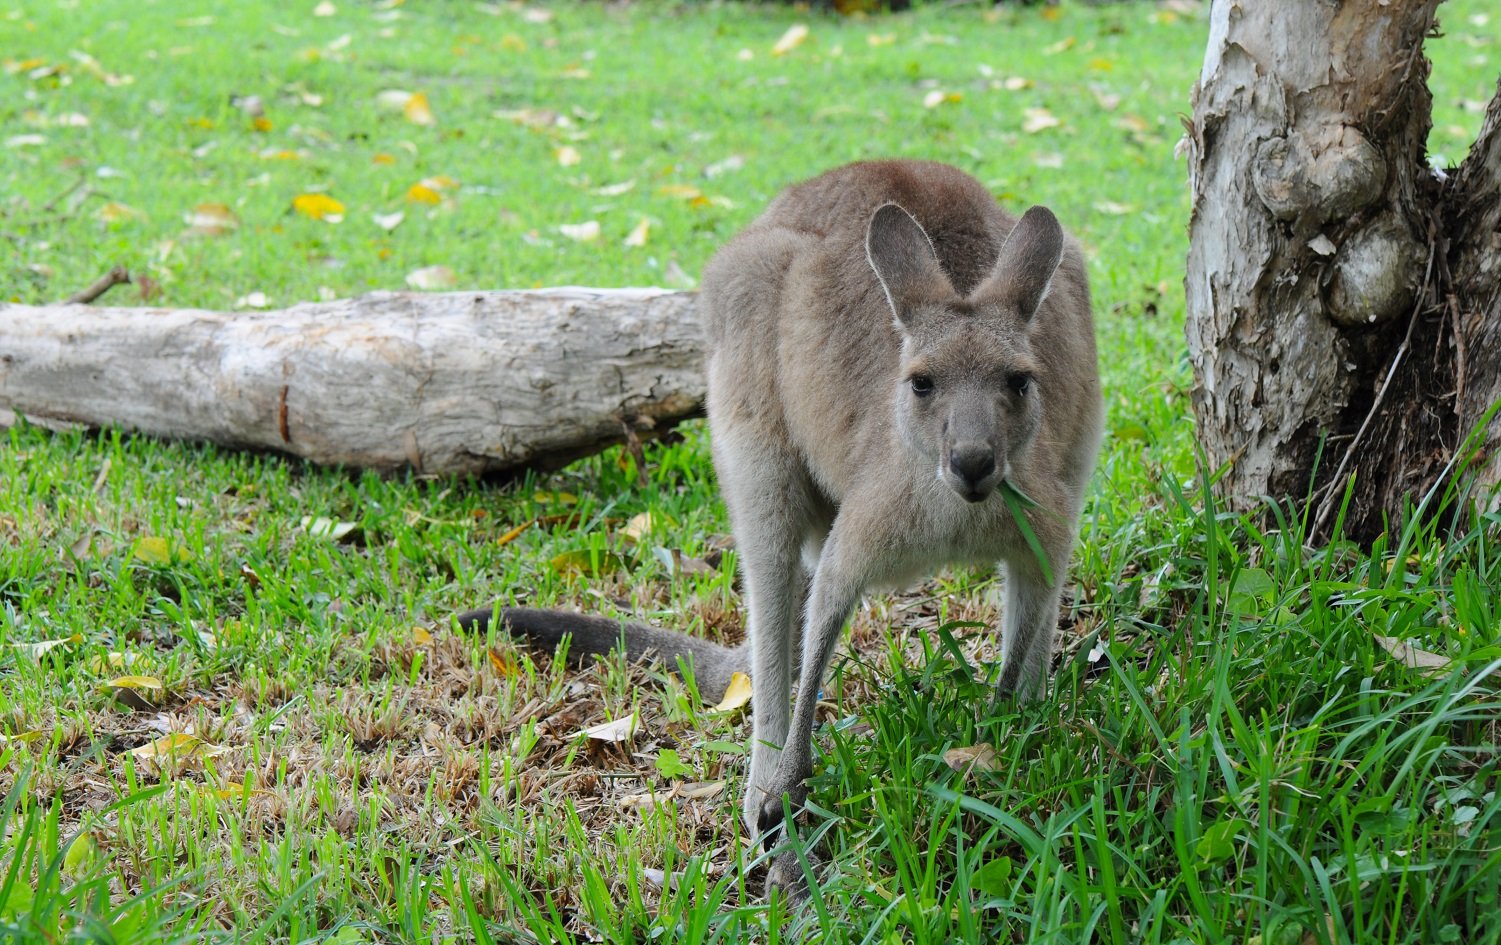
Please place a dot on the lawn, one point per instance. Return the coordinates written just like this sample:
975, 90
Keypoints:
1250, 739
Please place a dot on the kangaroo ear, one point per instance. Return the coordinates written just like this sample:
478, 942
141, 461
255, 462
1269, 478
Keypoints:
1024, 269
903, 259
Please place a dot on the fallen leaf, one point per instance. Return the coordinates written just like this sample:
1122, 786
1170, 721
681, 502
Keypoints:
637, 236
421, 636
616, 730
388, 221
1429, 664
1016, 83
586, 232
979, 757
937, 97
1062, 45
138, 692
1039, 119
588, 563
793, 38
115, 212
699, 790
157, 550
683, 191
138, 683
41, 648
175, 752
880, 39
253, 300
113, 660
211, 219
325, 9
421, 193
615, 190
567, 156
432, 277
732, 163
736, 694
381, 157
319, 207
637, 527
645, 799
321, 527
504, 663
1114, 209
417, 110
514, 533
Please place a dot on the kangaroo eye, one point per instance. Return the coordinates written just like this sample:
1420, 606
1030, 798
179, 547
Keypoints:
1019, 383
922, 385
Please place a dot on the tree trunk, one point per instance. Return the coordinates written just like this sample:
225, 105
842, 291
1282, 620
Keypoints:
1341, 293
467, 382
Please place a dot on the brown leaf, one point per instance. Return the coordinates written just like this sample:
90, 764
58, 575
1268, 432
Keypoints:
969, 758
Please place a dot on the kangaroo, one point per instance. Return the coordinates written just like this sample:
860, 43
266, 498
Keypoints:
886, 347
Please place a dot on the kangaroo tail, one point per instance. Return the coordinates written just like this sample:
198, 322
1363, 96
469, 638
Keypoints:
712, 664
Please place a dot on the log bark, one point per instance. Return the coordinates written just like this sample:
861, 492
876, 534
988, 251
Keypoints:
464, 382
1334, 287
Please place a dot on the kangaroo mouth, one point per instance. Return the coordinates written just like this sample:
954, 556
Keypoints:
975, 495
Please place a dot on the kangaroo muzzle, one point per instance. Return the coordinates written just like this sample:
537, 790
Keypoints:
972, 470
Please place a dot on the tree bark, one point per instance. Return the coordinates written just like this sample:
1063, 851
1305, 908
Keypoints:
1336, 295
469, 382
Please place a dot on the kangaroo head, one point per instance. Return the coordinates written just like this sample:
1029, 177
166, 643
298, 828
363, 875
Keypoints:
969, 395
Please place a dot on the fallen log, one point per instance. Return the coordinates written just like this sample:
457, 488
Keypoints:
458, 382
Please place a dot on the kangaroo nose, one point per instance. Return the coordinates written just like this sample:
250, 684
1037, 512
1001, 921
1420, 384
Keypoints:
972, 463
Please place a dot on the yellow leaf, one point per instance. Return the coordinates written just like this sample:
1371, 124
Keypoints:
588, 563
637, 527
1062, 45
512, 43
421, 636
791, 39
514, 533
736, 694
381, 157
440, 182
138, 683
880, 39
568, 156
684, 191
417, 110
504, 663
113, 660
637, 236
158, 550
114, 212
319, 207
421, 193
261, 123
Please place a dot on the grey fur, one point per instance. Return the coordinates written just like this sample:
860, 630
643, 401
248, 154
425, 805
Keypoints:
840, 475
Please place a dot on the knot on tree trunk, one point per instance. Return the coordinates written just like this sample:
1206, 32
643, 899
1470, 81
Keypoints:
1376, 274
1318, 179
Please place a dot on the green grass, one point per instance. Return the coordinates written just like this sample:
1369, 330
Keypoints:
1230, 754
